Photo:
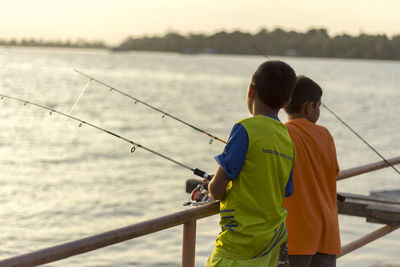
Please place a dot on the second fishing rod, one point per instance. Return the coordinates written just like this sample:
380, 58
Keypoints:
165, 114
134, 144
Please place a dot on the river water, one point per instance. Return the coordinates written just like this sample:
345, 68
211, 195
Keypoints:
60, 182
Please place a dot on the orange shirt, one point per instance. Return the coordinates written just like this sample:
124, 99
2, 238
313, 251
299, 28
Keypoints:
312, 221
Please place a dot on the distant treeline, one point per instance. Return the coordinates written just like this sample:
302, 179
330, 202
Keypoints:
313, 43
81, 43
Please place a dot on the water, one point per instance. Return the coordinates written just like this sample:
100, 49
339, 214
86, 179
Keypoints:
60, 182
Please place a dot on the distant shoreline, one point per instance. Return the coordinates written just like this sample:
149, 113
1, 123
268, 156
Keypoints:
315, 43
2, 48
5, 47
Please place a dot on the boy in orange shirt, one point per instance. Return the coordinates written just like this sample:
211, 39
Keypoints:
312, 222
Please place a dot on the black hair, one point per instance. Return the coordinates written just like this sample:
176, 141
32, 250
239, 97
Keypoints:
305, 90
274, 82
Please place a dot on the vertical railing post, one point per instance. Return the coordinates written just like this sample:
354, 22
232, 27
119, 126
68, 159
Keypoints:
189, 243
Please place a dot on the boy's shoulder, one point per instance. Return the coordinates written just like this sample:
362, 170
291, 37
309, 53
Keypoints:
298, 126
262, 123
244, 120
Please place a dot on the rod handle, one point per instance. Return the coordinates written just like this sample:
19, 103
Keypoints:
202, 174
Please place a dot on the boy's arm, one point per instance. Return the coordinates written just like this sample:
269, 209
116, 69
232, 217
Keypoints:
217, 186
230, 162
289, 186
334, 155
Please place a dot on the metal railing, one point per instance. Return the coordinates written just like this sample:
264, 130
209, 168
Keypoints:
188, 218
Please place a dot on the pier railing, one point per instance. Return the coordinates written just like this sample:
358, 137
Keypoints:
188, 218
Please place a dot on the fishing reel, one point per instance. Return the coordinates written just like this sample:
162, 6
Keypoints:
199, 196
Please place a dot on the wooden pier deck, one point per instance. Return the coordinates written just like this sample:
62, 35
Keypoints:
373, 208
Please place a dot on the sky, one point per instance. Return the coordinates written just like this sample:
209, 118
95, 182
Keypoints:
112, 21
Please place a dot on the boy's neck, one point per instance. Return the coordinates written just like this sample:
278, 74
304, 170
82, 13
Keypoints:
265, 110
297, 116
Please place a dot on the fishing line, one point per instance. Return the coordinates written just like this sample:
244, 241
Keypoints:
75, 103
213, 137
365, 142
260, 52
345, 124
196, 171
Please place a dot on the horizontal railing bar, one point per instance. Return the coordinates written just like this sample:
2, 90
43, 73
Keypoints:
367, 239
90, 243
367, 168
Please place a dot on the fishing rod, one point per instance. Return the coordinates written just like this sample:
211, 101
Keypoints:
213, 137
196, 171
348, 126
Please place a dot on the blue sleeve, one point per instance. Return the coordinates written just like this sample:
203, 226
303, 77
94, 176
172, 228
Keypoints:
289, 186
232, 159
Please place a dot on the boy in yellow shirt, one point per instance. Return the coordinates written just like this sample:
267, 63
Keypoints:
254, 175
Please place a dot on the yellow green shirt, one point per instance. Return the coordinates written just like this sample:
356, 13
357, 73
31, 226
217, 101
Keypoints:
252, 217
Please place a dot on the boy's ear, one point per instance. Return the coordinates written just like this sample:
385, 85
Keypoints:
252, 91
308, 107
287, 103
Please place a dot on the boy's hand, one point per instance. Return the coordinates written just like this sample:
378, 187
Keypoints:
205, 180
217, 186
